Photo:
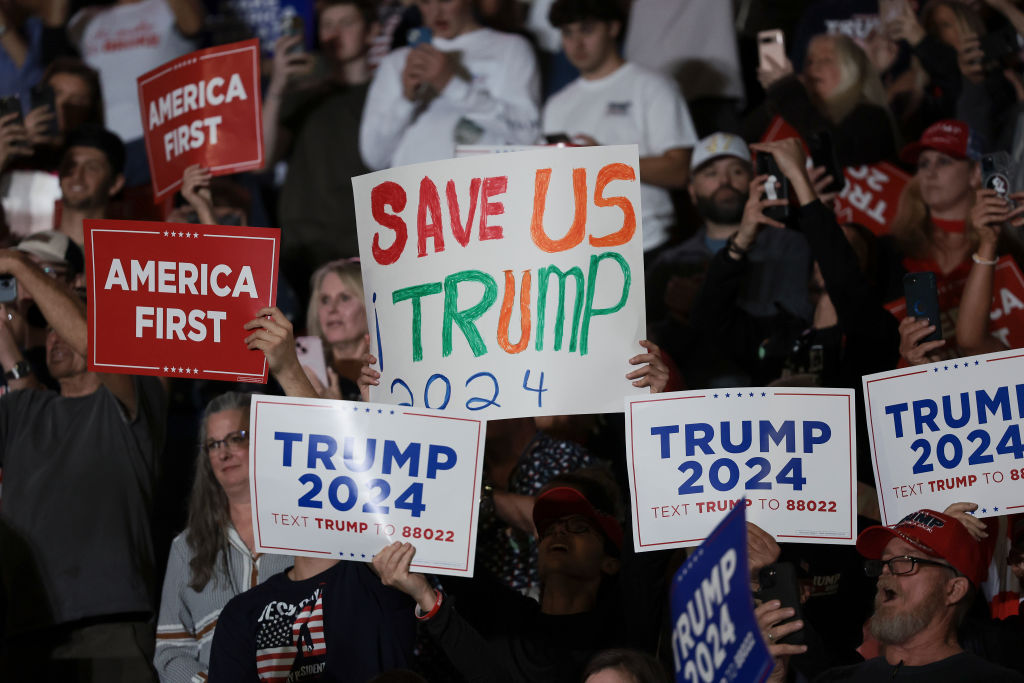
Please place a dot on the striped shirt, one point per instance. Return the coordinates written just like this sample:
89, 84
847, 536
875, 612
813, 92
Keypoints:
187, 619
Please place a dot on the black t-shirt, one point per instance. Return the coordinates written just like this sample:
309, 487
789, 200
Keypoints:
340, 625
962, 667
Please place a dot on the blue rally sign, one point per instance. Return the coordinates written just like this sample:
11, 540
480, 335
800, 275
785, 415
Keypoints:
714, 632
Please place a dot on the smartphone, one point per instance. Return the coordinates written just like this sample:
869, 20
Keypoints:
558, 139
777, 186
1000, 48
778, 582
922, 297
419, 36
310, 351
10, 104
291, 24
997, 170
43, 96
8, 289
771, 43
823, 153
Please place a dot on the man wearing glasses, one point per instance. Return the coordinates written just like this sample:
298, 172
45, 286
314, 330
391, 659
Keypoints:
928, 568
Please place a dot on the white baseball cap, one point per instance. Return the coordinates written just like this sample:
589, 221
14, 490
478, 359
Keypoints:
719, 145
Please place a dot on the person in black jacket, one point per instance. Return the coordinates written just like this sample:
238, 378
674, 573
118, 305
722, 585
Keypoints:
595, 594
839, 92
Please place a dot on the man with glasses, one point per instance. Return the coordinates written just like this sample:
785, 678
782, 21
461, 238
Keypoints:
80, 468
928, 568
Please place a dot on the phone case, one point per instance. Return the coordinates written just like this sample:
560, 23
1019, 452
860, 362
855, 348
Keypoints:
766, 166
772, 44
778, 582
923, 300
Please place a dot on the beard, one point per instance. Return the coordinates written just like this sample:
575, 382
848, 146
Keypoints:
723, 206
892, 627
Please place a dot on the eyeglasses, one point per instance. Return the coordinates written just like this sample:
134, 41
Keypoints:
574, 525
234, 441
901, 566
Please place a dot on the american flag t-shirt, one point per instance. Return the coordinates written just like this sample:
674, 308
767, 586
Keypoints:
290, 640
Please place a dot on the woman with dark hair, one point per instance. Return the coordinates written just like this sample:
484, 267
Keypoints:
212, 560
624, 666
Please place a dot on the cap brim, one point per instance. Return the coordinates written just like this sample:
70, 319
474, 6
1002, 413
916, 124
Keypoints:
563, 501
42, 254
872, 542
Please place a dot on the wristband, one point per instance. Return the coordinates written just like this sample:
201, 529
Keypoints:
21, 369
732, 247
433, 610
983, 262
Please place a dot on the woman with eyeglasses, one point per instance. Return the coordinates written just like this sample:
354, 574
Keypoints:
213, 559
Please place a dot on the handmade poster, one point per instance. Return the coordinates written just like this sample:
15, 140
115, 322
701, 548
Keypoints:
505, 285
948, 432
787, 454
715, 637
170, 299
1006, 315
342, 479
204, 108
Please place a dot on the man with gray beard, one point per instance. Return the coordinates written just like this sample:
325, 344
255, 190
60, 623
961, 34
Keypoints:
928, 568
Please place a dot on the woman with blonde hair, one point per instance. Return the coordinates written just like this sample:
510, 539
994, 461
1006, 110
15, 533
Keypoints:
337, 315
213, 560
839, 92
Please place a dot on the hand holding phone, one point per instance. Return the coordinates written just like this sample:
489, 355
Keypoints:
922, 297
778, 582
776, 187
43, 97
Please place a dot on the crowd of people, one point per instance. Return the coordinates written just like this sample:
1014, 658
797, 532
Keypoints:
115, 485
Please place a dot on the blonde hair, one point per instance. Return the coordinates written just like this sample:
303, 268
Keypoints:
351, 276
912, 227
858, 80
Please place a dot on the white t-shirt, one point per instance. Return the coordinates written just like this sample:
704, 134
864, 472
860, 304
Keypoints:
693, 41
633, 105
499, 106
123, 42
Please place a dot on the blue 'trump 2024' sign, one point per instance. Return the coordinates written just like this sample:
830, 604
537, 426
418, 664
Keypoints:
714, 632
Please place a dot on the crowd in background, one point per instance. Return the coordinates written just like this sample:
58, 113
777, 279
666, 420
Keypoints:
126, 537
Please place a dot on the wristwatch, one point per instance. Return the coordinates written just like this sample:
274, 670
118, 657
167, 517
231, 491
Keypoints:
21, 369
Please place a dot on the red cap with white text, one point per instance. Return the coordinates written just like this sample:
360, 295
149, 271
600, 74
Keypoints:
949, 137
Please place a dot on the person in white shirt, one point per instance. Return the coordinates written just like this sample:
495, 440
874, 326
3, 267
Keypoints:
615, 102
124, 40
466, 85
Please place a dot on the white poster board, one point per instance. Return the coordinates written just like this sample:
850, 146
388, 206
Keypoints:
948, 432
343, 479
693, 455
505, 285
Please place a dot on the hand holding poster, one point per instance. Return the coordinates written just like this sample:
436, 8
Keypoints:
505, 285
204, 108
714, 632
948, 432
692, 455
170, 299
342, 479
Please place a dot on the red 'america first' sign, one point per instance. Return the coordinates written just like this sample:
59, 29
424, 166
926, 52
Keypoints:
171, 299
203, 108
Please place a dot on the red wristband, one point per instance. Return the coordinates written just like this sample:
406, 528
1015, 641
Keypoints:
433, 610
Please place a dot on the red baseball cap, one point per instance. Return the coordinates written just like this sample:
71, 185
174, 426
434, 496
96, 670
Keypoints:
947, 136
935, 534
562, 501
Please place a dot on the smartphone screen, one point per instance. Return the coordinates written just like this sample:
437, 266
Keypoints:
419, 36
776, 187
922, 297
8, 289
